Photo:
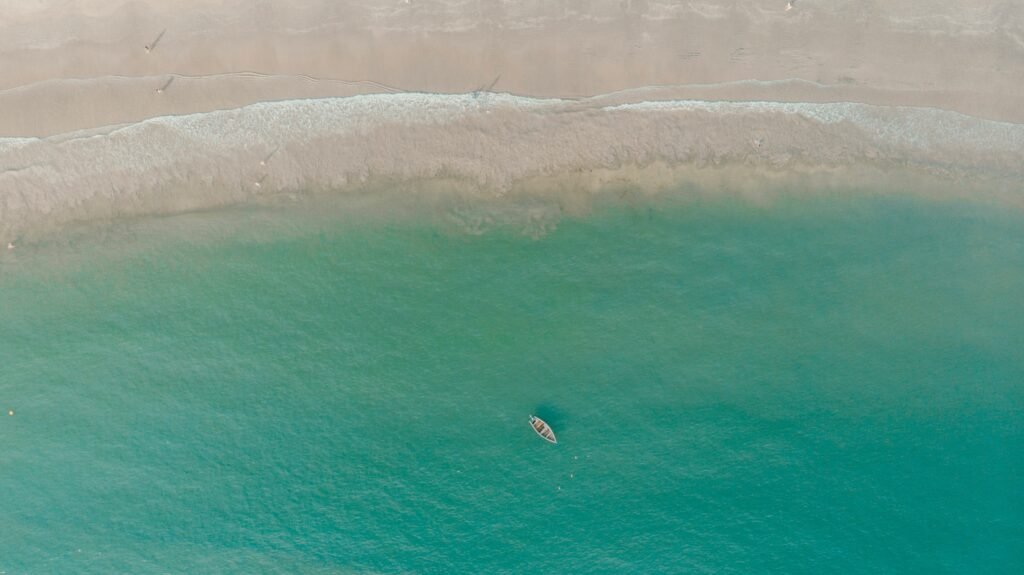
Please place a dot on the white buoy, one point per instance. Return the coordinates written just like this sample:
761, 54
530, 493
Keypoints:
10, 412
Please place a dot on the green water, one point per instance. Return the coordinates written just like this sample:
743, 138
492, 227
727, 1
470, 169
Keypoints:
817, 385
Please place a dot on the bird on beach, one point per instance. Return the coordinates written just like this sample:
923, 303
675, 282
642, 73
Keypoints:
266, 159
149, 47
166, 85
789, 5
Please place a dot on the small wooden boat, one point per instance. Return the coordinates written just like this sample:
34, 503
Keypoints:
542, 429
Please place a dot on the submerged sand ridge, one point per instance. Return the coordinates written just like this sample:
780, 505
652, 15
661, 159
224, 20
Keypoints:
492, 144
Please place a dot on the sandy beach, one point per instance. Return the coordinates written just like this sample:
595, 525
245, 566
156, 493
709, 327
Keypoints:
125, 108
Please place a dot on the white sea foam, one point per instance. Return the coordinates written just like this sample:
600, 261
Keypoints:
315, 118
919, 127
223, 156
11, 144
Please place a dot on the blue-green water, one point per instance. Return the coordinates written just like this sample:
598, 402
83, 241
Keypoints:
817, 385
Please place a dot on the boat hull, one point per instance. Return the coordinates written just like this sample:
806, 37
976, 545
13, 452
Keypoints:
541, 428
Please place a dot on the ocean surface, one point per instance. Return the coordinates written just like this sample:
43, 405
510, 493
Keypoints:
809, 384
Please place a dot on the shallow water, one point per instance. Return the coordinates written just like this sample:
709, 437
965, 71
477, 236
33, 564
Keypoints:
816, 384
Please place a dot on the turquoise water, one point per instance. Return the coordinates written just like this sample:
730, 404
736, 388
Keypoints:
819, 385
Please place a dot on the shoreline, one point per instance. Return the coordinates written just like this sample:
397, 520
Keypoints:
130, 107
79, 102
497, 144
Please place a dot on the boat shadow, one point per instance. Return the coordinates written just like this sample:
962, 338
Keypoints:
554, 416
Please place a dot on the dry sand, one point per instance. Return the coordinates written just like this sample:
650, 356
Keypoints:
943, 81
